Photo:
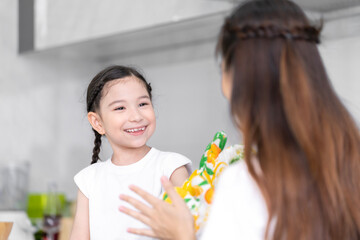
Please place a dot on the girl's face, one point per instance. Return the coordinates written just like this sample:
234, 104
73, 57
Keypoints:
126, 116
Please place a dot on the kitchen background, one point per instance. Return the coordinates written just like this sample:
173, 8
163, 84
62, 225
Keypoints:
50, 50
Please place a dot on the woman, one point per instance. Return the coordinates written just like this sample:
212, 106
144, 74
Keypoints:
306, 170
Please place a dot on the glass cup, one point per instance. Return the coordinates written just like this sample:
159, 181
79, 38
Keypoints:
14, 178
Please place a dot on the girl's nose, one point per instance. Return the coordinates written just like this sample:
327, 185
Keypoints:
135, 116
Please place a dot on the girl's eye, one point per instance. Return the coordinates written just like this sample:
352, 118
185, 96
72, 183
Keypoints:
143, 104
120, 108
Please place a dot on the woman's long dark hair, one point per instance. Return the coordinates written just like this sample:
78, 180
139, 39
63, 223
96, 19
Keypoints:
308, 146
94, 94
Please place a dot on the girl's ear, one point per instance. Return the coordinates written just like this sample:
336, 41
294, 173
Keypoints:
95, 121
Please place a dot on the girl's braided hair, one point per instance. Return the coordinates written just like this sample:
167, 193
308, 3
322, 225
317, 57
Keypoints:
94, 94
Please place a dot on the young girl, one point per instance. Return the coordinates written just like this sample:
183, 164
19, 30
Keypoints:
119, 107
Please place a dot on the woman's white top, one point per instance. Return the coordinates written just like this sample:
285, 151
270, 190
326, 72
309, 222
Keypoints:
103, 182
239, 209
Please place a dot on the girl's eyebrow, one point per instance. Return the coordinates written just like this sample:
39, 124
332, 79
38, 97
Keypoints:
116, 101
120, 100
145, 96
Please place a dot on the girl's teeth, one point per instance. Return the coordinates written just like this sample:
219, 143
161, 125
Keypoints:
136, 129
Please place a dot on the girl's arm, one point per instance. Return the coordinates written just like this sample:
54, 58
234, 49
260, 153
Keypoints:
81, 230
179, 176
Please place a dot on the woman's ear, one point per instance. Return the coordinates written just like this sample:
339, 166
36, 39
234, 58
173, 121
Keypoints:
95, 121
226, 81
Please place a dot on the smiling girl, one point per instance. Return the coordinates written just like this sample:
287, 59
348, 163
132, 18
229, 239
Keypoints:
119, 106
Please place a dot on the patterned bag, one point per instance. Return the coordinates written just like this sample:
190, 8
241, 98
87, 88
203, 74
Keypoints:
197, 191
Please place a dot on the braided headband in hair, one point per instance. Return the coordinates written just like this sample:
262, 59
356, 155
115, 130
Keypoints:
305, 33
92, 98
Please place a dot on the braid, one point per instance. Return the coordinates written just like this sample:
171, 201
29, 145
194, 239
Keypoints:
96, 149
305, 33
93, 96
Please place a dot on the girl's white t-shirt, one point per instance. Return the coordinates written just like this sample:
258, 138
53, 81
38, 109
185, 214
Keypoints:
103, 182
239, 210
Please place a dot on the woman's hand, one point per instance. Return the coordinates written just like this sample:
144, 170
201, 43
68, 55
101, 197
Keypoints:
167, 221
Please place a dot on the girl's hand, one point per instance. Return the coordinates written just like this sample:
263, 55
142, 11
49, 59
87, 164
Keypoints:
167, 221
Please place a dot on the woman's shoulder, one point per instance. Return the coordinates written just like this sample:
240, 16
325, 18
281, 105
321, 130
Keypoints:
237, 199
235, 171
237, 179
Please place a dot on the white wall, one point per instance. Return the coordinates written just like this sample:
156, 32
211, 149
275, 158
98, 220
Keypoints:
342, 60
42, 117
55, 19
42, 101
341, 54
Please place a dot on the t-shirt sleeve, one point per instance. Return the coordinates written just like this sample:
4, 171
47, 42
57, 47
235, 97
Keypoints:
84, 179
174, 161
238, 209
